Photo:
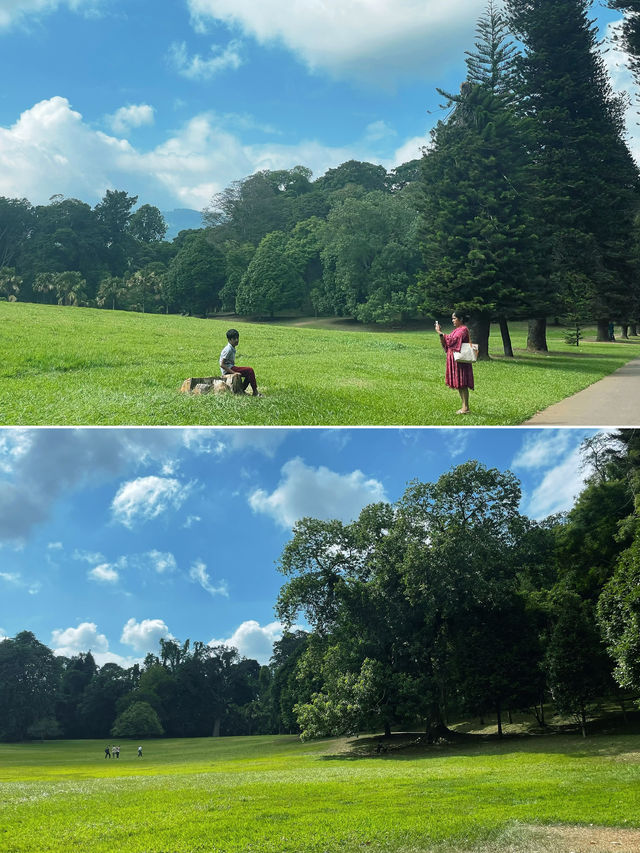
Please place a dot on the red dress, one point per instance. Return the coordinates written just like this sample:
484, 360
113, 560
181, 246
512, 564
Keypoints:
459, 374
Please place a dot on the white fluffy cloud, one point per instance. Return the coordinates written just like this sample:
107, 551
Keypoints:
104, 573
144, 636
253, 640
134, 115
372, 40
72, 641
146, 498
162, 563
555, 455
199, 574
541, 448
559, 487
198, 68
318, 492
41, 464
50, 149
240, 440
13, 11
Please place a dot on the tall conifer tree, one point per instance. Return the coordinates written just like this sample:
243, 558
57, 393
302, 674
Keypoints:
478, 240
586, 181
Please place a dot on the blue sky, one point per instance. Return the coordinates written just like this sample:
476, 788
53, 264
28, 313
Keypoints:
112, 538
172, 101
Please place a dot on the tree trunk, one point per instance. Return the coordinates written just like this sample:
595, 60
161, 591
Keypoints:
634, 330
583, 721
506, 337
479, 327
387, 729
623, 708
603, 330
499, 714
216, 728
537, 335
625, 331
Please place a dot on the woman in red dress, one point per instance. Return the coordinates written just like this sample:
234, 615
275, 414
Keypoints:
458, 374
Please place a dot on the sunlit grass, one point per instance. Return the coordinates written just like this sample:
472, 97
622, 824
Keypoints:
84, 366
273, 794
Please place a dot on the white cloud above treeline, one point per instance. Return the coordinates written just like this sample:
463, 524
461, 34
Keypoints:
51, 149
555, 456
317, 492
253, 640
145, 636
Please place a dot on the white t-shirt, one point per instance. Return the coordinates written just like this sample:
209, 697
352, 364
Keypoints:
227, 359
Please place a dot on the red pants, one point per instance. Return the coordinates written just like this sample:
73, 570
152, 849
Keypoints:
248, 378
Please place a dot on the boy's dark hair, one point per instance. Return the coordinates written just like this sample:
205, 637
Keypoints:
233, 333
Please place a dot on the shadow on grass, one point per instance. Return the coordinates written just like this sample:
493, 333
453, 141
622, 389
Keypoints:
606, 736
589, 364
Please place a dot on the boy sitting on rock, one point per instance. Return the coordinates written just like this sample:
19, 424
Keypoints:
228, 363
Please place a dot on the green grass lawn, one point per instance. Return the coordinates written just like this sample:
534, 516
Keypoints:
276, 794
86, 366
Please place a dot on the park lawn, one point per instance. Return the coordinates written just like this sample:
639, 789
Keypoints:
82, 366
273, 794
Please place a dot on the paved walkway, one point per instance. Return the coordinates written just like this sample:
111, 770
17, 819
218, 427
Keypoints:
613, 401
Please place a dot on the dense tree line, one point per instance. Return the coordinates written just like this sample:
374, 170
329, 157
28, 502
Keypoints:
448, 603
186, 690
523, 206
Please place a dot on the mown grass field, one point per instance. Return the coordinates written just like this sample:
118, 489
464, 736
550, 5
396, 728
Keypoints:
84, 366
273, 794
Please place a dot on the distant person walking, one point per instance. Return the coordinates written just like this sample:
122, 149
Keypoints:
139, 752
107, 752
228, 363
458, 374
116, 750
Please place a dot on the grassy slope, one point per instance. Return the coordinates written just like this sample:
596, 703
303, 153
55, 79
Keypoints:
84, 366
275, 794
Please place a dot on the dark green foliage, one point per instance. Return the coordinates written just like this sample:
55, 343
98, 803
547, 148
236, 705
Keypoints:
478, 237
147, 224
491, 65
369, 258
272, 281
138, 721
354, 173
196, 274
16, 221
29, 677
585, 180
575, 662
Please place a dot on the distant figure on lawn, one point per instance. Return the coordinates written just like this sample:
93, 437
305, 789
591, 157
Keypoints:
116, 751
107, 752
458, 374
228, 363
139, 752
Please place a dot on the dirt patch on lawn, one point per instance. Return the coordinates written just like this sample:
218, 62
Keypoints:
590, 839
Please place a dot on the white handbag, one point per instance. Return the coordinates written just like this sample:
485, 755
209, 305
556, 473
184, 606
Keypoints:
468, 353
